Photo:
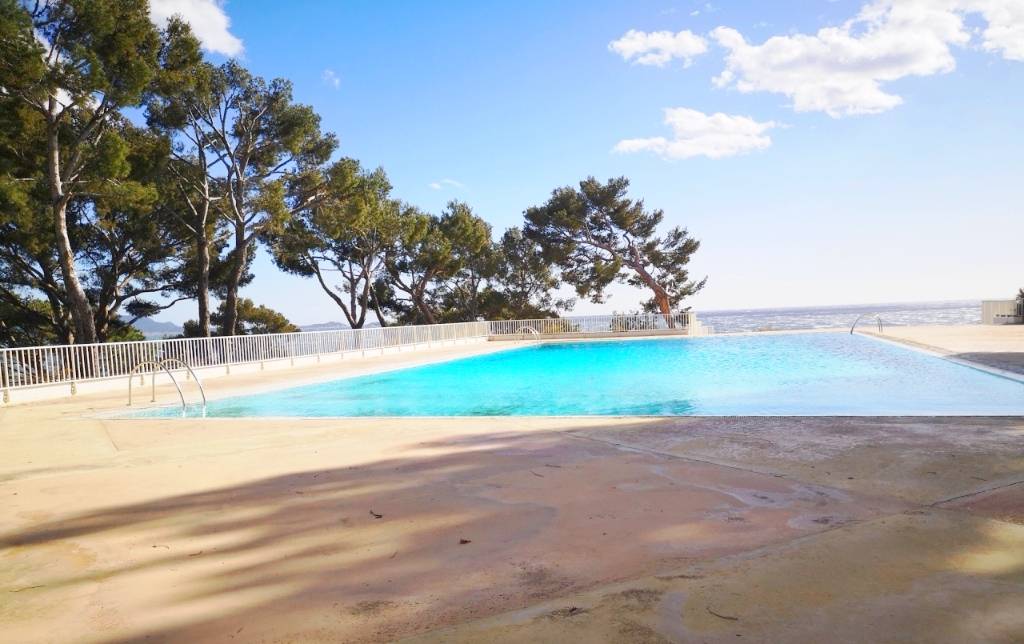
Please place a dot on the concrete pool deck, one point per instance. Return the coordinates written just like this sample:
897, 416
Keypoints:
509, 529
997, 346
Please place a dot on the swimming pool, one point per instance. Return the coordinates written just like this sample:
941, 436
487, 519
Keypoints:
785, 374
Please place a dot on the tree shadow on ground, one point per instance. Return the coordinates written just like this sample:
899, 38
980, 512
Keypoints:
442, 532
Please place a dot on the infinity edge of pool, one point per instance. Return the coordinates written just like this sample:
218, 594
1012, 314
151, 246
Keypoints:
820, 362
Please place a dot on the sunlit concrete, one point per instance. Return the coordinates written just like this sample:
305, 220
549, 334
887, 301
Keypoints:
924, 575
999, 346
505, 529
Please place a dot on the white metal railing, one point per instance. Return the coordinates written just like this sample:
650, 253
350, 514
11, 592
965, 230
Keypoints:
682, 322
50, 365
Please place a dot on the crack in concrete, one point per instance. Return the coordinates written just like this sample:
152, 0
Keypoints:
974, 493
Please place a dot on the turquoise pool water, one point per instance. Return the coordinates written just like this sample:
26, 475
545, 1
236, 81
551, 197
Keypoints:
798, 374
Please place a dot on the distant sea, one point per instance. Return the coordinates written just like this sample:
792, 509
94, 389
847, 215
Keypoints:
816, 317
829, 317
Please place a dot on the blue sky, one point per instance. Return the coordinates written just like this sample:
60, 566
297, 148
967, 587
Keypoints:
878, 160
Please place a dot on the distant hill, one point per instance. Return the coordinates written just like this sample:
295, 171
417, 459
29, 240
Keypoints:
324, 326
156, 329
333, 326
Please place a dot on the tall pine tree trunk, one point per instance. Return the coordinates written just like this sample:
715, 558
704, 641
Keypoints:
661, 297
230, 326
660, 294
428, 315
203, 282
381, 320
78, 303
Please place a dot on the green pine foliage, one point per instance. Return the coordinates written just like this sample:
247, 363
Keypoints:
104, 221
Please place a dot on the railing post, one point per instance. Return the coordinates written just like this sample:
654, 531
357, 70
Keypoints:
5, 374
229, 353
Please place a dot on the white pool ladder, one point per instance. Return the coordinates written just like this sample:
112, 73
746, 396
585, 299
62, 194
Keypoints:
878, 321
163, 365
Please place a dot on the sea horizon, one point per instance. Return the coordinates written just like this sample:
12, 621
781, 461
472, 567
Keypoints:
960, 311
838, 316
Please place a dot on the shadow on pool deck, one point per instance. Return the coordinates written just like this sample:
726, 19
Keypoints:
1012, 361
439, 530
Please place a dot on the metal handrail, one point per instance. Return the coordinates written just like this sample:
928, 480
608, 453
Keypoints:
153, 363
528, 330
202, 391
878, 320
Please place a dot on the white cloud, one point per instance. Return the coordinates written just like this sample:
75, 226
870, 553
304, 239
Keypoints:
659, 47
330, 77
1005, 31
715, 136
841, 70
446, 183
207, 18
